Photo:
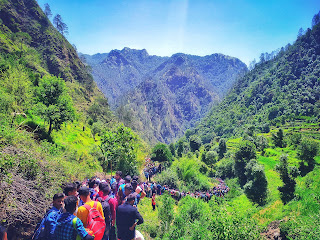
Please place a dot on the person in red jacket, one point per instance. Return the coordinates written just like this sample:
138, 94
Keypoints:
153, 201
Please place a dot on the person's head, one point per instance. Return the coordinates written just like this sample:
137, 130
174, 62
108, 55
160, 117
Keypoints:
128, 189
58, 200
131, 198
92, 183
78, 184
154, 194
70, 204
70, 189
134, 184
135, 178
118, 175
84, 194
127, 179
114, 187
104, 187
108, 180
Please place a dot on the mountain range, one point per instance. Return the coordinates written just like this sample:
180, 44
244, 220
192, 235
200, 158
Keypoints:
161, 97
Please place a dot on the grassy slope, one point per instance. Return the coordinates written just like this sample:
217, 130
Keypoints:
303, 209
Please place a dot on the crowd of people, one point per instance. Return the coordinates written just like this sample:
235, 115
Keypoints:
106, 209
151, 169
152, 188
92, 210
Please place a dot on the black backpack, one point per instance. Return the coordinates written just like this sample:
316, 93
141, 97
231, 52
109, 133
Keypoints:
106, 209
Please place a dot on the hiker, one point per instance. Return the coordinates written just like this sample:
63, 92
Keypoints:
91, 209
70, 190
3, 233
153, 201
119, 180
46, 228
127, 215
68, 225
109, 207
121, 190
92, 185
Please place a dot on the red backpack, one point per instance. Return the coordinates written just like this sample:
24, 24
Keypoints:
95, 221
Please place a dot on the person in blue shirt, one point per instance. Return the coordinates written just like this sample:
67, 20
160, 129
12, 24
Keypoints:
66, 229
53, 214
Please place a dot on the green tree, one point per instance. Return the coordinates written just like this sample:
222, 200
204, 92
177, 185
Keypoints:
210, 158
278, 138
180, 148
47, 10
261, 143
118, 147
307, 151
166, 212
222, 149
289, 184
161, 153
172, 149
257, 186
54, 103
195, 142
60, 25
246, 152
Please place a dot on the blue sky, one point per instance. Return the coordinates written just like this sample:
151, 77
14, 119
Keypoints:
242, 28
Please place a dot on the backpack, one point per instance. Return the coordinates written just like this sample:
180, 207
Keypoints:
106, 209
40, 232
95, 221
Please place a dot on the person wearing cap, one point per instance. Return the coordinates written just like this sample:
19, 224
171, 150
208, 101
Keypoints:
82, 213
127, 215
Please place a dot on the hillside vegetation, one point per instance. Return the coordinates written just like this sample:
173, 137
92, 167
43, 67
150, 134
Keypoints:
263, 138
274, 92
54, 122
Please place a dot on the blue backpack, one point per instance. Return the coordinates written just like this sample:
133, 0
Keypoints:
40, 232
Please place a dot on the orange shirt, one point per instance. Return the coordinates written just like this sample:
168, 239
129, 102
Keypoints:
82, 213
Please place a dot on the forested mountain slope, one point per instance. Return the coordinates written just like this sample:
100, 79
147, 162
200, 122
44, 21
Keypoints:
52, 119
26, 29
120, 71
161, 97
283, 89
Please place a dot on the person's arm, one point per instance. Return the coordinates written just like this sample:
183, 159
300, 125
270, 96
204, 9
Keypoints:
51, 224
82, 214
100, 209
140, 220
5, 236
81, 231
143, 194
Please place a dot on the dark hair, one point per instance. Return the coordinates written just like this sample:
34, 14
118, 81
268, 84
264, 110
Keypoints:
84, 191
104, 187
134, 183
69, 188
58, 195
128, 186
78, 184
119, 173
135, 178
128, 178
70, 203
91, 183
